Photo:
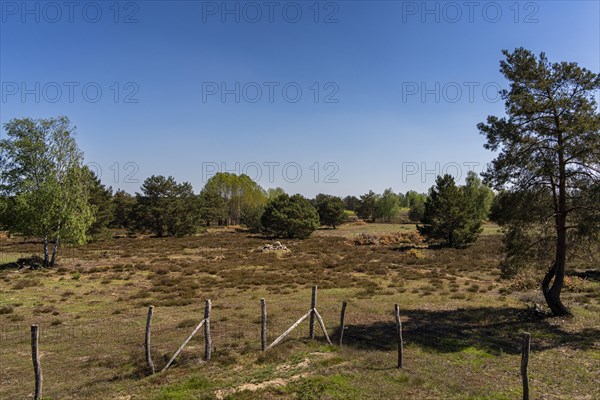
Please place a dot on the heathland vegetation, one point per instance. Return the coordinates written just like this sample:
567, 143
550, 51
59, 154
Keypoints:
470, 264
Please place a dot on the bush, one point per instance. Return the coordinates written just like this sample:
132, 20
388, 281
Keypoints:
6, 310
251, 217
330, 209
383, 239
417, 211
289, 217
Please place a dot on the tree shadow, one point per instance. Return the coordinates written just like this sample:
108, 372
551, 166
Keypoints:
495, 330
590, 275
24, 263
405, 247
10, 265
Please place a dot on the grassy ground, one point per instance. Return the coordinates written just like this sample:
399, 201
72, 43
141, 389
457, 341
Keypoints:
462, 324
351, 229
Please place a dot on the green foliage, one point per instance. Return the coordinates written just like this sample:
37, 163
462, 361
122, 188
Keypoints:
4, 215
479, 194
241, 200
274, 192
330, 209
416, 203
289, 217
41, 170
387, 206
450, 215
100, 201
366, 206
251, 216
212, 206
351, 203
417, 211
123, 210
549, 149
196, 387
374, 207
166, 208
337, 387
411, 198
528, 232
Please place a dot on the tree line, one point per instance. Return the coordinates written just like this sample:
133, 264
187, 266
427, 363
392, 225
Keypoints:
49, 193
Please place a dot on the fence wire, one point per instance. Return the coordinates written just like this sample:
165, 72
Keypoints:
106, 347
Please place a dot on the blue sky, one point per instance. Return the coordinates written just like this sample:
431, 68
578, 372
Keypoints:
391, 92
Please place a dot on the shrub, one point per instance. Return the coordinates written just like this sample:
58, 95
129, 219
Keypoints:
289, 217
6, 310
330, 209
412, 238
417, 211
24, 283
251, 217
418, 254
525, 280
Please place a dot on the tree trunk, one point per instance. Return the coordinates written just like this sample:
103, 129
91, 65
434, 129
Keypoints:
46, 257
556, 273
552, 293
54, 252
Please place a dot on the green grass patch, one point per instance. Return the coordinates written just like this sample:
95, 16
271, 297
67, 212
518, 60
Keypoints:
334, 387
197, 387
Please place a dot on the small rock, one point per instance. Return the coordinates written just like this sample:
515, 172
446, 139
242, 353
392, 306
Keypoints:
277, 246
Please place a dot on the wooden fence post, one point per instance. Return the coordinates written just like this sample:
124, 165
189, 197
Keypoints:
149, 362
37, 368
263, 325
342, 321
207, 338
313, 305
399, 334
524, 362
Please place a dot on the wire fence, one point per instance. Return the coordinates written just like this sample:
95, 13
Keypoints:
112, 344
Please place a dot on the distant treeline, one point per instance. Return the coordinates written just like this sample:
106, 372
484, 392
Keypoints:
165, 207
48, 193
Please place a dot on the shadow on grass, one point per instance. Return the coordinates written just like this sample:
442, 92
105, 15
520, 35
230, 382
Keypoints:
590, 275
10, 265
28, 263
495, 330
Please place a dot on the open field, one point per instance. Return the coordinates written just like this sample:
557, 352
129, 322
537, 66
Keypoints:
462, 324
351, 229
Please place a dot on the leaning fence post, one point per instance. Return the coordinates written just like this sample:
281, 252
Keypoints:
149, 362
524, 362
37, 368
399, 334
342, 321
207, 339
263, 324
313, 305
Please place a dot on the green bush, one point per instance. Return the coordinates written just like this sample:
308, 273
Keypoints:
289, 217
330, 209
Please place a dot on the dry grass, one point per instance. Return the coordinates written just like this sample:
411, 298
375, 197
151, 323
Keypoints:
461, 324
410, 238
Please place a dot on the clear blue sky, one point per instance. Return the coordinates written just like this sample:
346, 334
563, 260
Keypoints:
369, 125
